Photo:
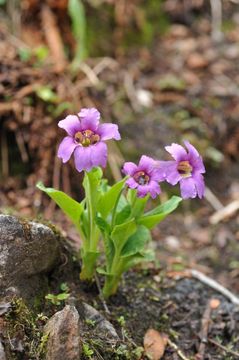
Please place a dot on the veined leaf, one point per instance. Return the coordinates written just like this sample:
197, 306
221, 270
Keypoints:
166, 207
70, 207
103, 272
155, 216
121, 233
108, 243
130, 261
123, 215
102, 225
107, 200
91, 185
136, 242
139, 206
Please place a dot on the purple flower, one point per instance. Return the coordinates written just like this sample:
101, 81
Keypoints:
144, 177
186, 168
85, 139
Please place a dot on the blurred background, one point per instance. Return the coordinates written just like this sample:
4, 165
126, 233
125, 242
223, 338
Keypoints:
163, 70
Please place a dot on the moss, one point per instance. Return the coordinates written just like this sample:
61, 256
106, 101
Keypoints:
26, 328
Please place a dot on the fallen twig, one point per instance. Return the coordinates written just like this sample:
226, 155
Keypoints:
91, 75
213, 200
234, 353
21, 146
206, 319
214, 285
4, 151
27, 90
10, 106
175, 347
101, 295
225, 212
131, 91
216, 11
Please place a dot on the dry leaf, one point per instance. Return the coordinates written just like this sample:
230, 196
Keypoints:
214, 303
154, 344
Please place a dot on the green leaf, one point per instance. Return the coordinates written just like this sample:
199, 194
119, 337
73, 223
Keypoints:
107, 200
47, 94
121, 233
135, 259
62, 296
76, 11
122, 202
58, 110
70, 207
102, 225
123, 215
41, 52
166, 207
91, 184
103, 272
139, 206
24, 53
108, 244
90, 256
136, 242
155, 216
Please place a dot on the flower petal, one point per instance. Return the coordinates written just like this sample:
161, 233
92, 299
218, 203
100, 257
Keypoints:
129, 168
194, 158
132, 183
198, 165
191, 149
82, 157
71, 124
177, 152
188, 188
143, 190
152, 189
155, 189
146, 164
90, 119
66, 148
158, 173
200, 185
108, 131
99, 154
169, 169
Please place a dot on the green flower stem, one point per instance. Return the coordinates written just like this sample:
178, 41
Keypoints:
112, 281
89, 253
115, 208
111, 285
87, 269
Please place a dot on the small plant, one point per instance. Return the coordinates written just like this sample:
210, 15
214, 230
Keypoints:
116, 214
90, 322
59, 298
87, 351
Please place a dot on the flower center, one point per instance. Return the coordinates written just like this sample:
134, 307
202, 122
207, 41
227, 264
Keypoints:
141, 178
185, 169
86, 138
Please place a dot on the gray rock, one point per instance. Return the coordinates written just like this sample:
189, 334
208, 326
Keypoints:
102, 328
63, 332
2, 352
27, 251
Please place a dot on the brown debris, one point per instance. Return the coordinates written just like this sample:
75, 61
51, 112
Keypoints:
53, 38
154, 344
206, 319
